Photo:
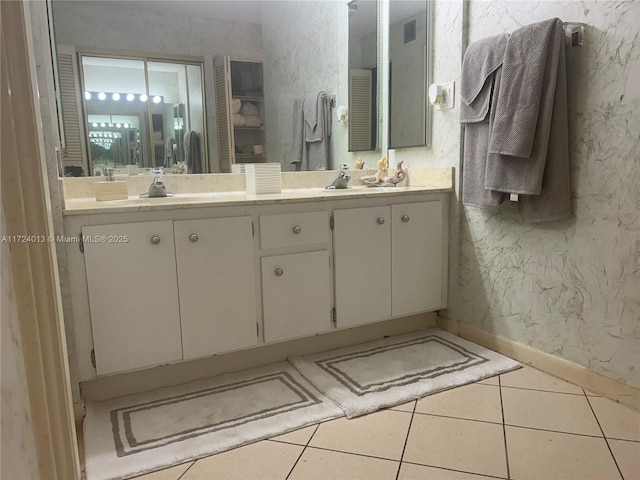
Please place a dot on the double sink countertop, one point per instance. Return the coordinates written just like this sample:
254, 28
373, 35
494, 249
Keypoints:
209, 190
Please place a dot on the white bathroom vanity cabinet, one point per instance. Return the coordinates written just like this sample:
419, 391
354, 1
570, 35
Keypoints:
180, 282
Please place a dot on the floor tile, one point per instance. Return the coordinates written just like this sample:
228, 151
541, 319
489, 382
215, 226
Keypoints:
465, 445
531, 378
627, 456
257, 461
316, 464
475, 402
535, 455
404, 407
616, 420
299, 437
549, 411
591, 394
409, 471
172, 473
380, 434
490, 381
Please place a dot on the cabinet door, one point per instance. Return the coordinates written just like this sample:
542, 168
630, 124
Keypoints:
362, 251
296, 295
133, 295
416, 260
216, 279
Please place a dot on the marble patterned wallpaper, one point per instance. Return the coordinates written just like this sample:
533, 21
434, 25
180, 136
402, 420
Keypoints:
19, 457
570, 288
305, 48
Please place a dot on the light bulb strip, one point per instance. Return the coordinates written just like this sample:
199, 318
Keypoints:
116, 97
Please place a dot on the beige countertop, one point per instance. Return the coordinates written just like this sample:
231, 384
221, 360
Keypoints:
424, 181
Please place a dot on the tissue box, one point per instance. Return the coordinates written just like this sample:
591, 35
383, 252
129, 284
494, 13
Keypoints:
111, 190
263, 177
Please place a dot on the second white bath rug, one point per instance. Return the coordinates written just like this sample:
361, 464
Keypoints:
364, 378
141, 433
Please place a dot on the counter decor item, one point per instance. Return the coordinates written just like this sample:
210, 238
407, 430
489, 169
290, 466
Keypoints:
383, 167
263, 178
111, 189
386, 180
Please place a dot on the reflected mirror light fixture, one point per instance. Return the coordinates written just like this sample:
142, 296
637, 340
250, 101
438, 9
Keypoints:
94, 125
103, 124
116, 96
126, 125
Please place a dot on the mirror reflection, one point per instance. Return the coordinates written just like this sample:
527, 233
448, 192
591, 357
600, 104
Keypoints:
133, 128
363, 75
408, 75
170, 51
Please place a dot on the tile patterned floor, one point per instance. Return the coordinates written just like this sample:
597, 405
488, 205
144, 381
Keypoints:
524, 424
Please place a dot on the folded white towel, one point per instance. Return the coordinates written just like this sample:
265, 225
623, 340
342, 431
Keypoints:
236, 104
253, 121
249, 108
239, 120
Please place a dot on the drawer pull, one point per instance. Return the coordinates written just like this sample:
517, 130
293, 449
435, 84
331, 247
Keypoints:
297, 229
194, 237
405, 218
279, 272
155, 240
380, 221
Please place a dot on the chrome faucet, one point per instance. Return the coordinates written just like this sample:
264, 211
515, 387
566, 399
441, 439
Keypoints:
156, 189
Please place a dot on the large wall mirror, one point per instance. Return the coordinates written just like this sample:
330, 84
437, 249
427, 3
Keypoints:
363, 75
304, 47
408, 73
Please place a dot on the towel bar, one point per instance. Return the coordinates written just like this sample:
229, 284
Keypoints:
574, 32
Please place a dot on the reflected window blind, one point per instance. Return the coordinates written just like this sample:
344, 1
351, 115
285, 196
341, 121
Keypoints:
72, 138
359, 110
222, 116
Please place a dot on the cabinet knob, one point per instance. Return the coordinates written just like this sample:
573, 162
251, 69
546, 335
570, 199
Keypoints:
380, 221
279, 272
193, 237
155, 240
405, 218
297, 229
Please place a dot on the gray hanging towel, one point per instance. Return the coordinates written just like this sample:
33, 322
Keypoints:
520, 134
480, 82
192, 152
481, 60
169, 152
554, 201
298, 136
312, 130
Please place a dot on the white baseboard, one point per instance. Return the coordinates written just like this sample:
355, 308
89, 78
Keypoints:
559, 367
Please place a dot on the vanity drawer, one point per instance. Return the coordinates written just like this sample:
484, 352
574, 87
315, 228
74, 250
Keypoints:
294, 229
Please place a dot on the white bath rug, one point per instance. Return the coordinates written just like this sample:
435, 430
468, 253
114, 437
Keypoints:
364, 378
140, 433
